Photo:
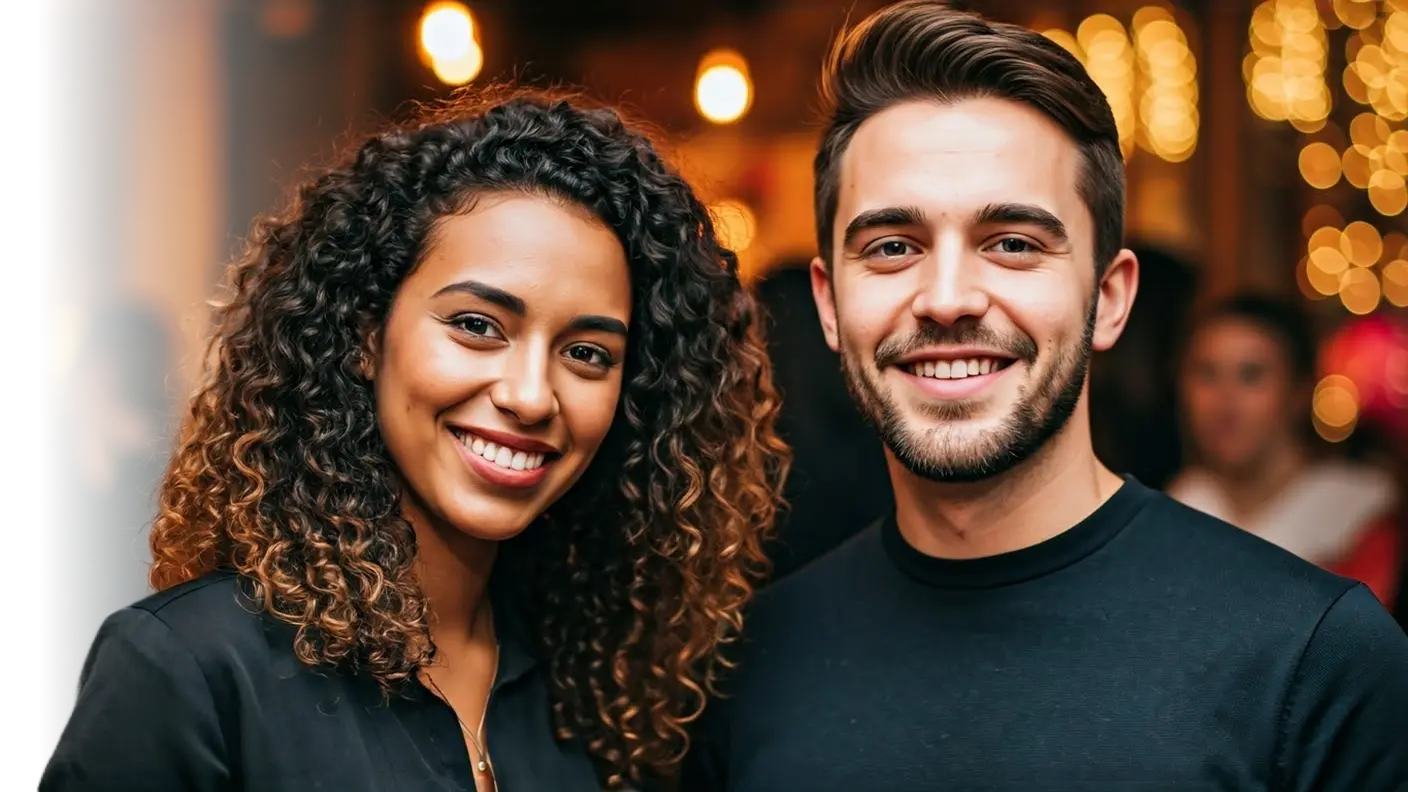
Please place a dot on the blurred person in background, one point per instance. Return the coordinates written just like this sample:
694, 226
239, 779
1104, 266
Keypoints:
473, 492
1246, 383
837, 484
104, 450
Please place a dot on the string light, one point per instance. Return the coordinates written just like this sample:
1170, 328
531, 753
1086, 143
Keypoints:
1110, 61
1340, 263
1335, 407
1168, 86
1377, 74
1285, 72
723, 91
448, 42
1395, 282
1320, 165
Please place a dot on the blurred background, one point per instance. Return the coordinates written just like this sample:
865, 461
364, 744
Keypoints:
1267, 153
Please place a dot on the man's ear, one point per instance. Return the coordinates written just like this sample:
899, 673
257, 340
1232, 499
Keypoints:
1115, 300
825, 300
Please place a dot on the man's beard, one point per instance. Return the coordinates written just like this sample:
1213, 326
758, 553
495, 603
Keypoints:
1041, 411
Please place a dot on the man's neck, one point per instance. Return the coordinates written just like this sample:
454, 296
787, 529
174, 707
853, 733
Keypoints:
1050, 492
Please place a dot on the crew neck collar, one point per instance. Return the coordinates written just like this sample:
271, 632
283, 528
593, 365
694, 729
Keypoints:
1005, 569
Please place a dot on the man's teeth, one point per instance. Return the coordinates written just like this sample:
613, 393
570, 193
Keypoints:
955, 369
503, 456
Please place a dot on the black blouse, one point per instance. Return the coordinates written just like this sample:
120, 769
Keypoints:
194, 690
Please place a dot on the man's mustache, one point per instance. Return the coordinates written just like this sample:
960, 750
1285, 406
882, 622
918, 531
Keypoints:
931, 334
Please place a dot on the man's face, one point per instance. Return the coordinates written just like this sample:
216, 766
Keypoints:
962, 295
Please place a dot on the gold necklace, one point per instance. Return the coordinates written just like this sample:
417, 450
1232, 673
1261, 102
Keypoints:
484, 764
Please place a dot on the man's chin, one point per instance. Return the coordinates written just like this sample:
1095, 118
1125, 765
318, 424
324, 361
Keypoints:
956, 420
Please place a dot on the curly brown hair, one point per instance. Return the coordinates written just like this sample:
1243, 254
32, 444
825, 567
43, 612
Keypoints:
640, 574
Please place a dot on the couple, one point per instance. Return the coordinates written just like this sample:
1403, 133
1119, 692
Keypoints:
473, 496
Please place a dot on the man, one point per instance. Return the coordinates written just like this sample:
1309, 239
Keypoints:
1025, 620
1246, 384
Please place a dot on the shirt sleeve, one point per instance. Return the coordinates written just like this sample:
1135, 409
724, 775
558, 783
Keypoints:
144, 720
1345, 723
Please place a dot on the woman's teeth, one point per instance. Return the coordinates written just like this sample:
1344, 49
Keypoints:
956, 369
503, 456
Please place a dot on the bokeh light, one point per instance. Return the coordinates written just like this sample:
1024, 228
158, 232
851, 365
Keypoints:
1286, 74
1388, 193
734, 223
1110, 61
1377, 55
462, 70
1361, 244
1320, 216
1359, 291
448, 43
446, 31
1320, 165
1168, 86
723, 91
1335, 407
1395, 286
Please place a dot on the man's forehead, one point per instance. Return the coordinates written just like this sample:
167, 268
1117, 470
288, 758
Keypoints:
960, 156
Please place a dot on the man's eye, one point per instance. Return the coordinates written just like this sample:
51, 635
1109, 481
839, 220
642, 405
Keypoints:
1014, 246
893, 248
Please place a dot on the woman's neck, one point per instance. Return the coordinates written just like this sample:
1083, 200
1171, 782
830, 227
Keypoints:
453, 570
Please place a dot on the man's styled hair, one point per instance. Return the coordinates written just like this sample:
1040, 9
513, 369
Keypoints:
925, 50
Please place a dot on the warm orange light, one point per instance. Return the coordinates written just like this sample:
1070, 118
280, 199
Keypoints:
735, 224
448, 42
446, 32
723, 91
461, 71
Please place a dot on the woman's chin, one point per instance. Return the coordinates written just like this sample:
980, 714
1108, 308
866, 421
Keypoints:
490, 524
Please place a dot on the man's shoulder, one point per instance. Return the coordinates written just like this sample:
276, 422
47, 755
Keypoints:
1190, 550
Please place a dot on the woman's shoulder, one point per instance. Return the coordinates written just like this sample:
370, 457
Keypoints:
213, 617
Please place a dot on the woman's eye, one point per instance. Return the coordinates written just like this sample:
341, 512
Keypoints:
475, 325
590, 355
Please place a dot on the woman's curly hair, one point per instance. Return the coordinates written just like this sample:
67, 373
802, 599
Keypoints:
642, 570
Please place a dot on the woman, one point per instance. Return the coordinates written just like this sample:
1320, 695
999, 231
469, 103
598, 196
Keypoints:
474, 490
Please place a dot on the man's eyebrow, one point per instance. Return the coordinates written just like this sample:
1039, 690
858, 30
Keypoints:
1022, 214
888, 217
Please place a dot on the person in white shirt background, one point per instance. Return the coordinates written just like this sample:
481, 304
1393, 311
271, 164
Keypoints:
1245, 383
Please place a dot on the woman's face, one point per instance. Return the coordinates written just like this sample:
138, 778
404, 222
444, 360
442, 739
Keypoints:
498, 370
